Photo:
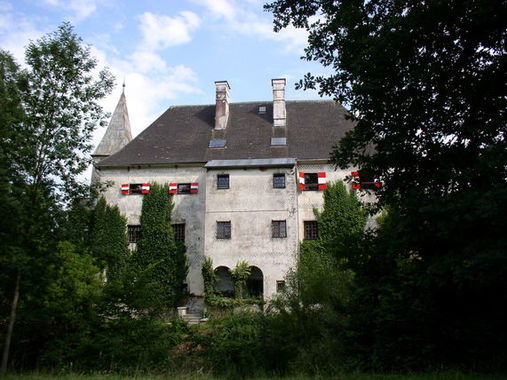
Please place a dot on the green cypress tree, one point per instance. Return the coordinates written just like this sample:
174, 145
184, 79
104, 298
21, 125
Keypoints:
157, 248
321, 276
108, 238
342, 220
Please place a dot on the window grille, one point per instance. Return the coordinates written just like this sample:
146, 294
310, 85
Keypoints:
222, 181
311, 230
279, 181
179, 232
134, 233
279, 229
223, 230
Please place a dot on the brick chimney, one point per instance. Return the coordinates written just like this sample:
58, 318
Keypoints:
222, 104
279, 113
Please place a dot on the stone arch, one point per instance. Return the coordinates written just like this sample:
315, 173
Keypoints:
225, 283
255, 282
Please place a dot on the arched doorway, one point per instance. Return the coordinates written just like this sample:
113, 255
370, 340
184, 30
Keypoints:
255, 282
224, 284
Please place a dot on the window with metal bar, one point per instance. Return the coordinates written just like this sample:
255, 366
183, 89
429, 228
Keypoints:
134, 233
279, 181
311, 230
179, 232
279, 229
222, 181
223, 230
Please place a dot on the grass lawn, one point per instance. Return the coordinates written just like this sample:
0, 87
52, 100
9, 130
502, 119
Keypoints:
196, 376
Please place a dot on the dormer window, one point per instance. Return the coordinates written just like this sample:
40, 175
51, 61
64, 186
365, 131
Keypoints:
262, 110
278, 141
217, 143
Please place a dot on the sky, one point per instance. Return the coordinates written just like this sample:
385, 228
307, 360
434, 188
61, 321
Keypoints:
169, 52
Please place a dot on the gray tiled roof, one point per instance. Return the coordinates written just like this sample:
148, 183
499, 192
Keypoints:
259, 162
182, 134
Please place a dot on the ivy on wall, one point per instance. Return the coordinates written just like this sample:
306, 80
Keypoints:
156, 247
108, 238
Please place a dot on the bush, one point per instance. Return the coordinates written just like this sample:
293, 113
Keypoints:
235, 346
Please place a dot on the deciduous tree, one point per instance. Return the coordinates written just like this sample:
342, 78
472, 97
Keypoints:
425, 82
51, 116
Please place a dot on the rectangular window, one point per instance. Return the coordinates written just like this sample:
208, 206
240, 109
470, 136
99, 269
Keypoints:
136, 188
179, 232
279, 229
280, 286
223, 230
365, 180
183, 188
311, 230
134, 232
279, 181
311, 181
222, 181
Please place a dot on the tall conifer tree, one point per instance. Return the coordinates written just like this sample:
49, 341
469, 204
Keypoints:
157, 248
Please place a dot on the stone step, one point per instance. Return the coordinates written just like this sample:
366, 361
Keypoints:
192, 319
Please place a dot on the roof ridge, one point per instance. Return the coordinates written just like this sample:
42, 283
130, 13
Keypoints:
256, 102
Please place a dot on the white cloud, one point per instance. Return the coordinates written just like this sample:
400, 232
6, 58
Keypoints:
80, 9
160, 31
15, 32
245, 19
219, 8
149, 90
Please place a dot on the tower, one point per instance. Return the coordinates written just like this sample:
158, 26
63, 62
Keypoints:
118, 134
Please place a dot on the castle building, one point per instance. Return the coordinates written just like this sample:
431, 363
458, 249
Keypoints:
246, 178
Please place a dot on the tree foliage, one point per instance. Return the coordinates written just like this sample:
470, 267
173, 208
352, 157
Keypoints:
240, 274
321, 276
424, 82
108, 238
61, 107
49, 110
209, 276
157, 248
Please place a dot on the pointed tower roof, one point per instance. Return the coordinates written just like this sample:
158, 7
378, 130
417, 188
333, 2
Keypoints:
118, 132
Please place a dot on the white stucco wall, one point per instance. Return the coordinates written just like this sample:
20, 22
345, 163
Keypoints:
250, 204
188, 208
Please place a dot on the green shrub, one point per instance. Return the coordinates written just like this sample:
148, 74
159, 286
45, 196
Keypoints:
235, 345
156, 248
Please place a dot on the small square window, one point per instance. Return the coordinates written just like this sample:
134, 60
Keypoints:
134, 233
223, 230
179, 232
279, 181
262, 110
311, 230
280, 286
279, 229
222, 181
183, 188
136, 188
